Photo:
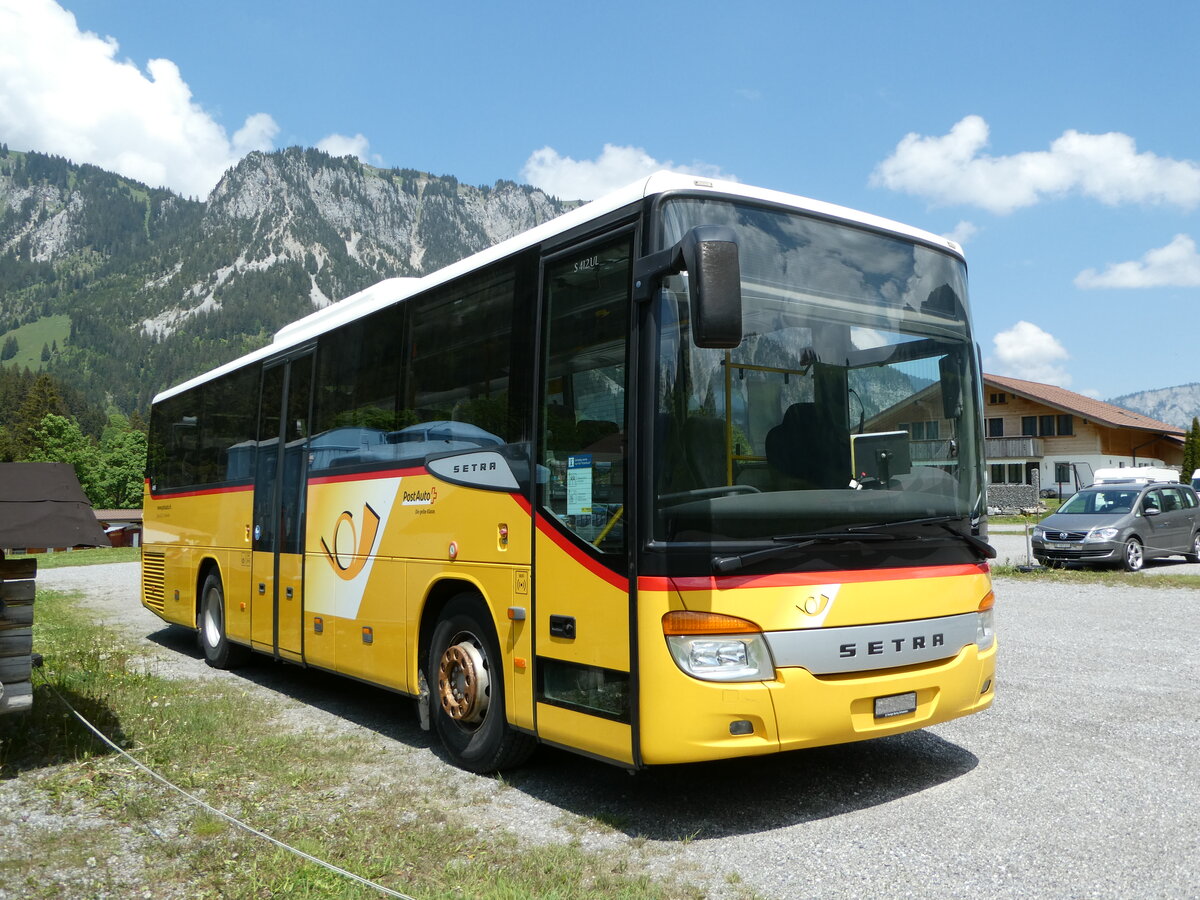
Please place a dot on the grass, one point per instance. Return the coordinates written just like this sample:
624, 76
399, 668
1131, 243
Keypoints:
371, 807
1049, 504
1112, 577
93, 556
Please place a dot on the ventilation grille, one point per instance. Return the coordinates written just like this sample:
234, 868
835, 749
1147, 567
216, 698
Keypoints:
154, 579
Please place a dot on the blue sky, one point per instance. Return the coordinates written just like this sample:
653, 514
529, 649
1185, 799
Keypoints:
1059, 142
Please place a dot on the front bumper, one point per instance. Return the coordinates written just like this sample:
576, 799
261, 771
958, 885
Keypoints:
687, 720
1084, 552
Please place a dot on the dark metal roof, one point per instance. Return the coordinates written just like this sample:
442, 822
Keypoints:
42, 505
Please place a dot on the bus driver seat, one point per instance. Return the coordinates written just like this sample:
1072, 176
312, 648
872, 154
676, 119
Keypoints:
803, 447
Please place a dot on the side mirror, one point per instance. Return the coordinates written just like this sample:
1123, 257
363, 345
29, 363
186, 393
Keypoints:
709, 254
1152, 511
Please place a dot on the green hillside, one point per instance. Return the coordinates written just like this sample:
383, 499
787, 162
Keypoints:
46, 332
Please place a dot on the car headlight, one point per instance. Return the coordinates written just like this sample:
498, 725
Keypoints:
716, 647
1039, 532
1102, 534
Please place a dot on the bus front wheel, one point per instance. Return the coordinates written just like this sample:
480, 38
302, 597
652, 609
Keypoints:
467, 687
219, 651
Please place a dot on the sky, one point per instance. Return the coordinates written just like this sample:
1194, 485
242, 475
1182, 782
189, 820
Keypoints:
1058, 142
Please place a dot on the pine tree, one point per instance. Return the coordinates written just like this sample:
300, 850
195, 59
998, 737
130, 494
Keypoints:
43, 399
10, 348
45, 353
1191, 450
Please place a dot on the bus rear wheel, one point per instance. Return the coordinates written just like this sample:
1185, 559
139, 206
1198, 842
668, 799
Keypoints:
467, 684
219, 651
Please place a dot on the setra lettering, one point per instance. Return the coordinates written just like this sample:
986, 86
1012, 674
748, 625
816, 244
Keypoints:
897, 645
467, 468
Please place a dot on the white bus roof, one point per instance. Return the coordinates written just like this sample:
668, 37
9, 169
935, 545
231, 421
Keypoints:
393, 290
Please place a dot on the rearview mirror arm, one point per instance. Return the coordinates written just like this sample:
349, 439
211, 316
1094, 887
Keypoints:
650, 270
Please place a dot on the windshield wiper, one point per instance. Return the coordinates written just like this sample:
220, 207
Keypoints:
986, 550
726, 564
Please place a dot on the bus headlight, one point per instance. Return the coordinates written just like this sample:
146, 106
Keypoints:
985, 622
715, 647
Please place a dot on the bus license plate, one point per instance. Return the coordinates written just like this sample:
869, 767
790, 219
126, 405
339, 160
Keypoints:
895, 705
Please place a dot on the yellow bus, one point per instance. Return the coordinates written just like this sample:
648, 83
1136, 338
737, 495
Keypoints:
692, 472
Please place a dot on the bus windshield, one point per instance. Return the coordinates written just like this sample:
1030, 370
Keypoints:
851, 400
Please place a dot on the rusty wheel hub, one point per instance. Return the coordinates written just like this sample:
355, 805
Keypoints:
463, 683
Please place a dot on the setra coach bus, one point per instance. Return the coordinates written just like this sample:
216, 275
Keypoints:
692, 472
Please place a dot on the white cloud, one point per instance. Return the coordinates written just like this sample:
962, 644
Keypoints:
962, 232
1026, 351
1175, 265
257, 134
64, 91
570, 179
340, 145
951, 169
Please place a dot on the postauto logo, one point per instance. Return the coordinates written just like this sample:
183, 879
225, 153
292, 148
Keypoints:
352, 542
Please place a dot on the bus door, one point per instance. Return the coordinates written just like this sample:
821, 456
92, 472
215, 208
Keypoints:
277, 605
582, 598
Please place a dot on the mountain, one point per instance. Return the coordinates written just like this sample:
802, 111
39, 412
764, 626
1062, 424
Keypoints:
123, 290
1173, 405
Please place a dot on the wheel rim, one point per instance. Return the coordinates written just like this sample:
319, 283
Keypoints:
1133, 555
463, 683
212, 623
1196, 546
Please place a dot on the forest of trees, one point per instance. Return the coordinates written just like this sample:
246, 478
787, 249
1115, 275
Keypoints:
42, 420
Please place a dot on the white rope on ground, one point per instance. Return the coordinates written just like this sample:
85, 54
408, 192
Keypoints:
216, 812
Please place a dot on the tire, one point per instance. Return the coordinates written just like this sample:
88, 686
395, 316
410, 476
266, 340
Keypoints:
1133, 557
1194, 556
466, 680
219, 651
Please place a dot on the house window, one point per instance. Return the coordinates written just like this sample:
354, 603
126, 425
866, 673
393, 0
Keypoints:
1066, 425
922, 431
996, 398
1046, 426
995, 428
1062, 473
1007, 473
1029, 426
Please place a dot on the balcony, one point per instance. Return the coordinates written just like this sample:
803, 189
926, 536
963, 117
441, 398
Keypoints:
932, 451
1013, 448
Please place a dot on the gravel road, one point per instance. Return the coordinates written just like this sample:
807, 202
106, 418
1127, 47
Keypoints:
1079, 782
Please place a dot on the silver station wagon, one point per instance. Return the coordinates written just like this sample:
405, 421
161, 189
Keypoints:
1122, 523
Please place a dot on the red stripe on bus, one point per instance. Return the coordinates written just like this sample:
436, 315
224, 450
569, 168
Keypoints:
580, 556
202, 493
803, 579
368, 476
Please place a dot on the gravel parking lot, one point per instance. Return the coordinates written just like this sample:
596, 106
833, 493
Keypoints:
1079, 782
